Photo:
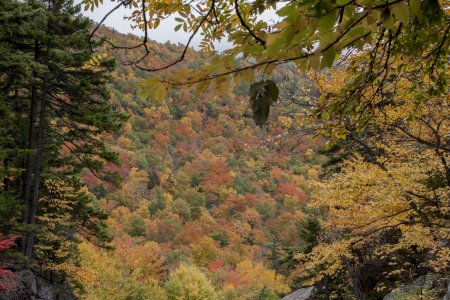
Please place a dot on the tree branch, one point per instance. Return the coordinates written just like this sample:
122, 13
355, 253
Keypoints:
183, 54
238, 13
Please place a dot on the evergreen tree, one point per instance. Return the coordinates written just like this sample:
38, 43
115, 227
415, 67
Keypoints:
54, 108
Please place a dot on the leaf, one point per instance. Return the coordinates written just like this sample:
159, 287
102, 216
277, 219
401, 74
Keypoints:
262, 96
328, 58
178, 27
301, 64
160, 92
314, 61
272, 90
353, 35
414, 6
156, 24
201, 87
269, 69
247, 75
387, 18
327, 38
155, 89
271, 38
342, 2
401, 12
222, 86
327, 21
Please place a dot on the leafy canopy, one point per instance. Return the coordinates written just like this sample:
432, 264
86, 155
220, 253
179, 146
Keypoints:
311, 33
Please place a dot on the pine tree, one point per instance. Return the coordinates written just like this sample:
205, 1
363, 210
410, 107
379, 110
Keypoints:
55, 107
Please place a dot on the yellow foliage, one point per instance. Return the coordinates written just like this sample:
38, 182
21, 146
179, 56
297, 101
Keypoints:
189, 283
256, 275
53, 249
204, 251
405, 191
285, 121
106, 276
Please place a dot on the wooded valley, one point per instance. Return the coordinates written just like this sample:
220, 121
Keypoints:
313, 155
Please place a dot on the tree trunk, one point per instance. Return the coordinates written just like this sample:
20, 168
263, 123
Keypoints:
6, 179
357, 270
37, 170
356, 274
29, 160
358, 290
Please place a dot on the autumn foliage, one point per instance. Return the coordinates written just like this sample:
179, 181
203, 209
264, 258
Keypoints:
6, 242
203, 191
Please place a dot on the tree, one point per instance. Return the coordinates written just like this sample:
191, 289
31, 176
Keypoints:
189, 283
57, 102
312, 34
387, 208
66, 210
257, 276
105, 276
383, 101
204, 252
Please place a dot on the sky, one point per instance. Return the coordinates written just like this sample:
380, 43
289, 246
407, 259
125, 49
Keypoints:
165, 32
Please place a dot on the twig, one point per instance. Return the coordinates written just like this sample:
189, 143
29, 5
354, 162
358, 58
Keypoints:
238, 13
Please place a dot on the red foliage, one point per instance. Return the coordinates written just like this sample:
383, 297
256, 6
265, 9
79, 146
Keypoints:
91, 180
251, 197
292, 190
217, 176
6, 243
190, 233
276, 173
216, 265
234, 279
161, 139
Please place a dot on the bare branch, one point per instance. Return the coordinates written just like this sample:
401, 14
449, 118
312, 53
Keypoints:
273, 61
238, 13
124, 3
439, 48
183, 54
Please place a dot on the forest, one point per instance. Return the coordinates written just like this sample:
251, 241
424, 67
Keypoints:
308, 160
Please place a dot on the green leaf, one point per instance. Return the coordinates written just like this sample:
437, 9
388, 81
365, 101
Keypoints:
222, 86
284, 11
327, 21
159, 93
342, 2
272, 90
327, 38
401, 12
155, 89
262, 96
156, 24
414, 6
352, 36
314, 61
178, 27
301, 64
328, 58
388, 19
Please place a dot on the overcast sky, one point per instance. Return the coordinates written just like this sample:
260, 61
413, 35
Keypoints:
165, 32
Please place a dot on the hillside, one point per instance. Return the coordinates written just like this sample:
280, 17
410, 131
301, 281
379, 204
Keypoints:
311, 159
203, 187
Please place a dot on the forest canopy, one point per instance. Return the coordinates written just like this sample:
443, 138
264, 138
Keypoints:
315, 151
383, 105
